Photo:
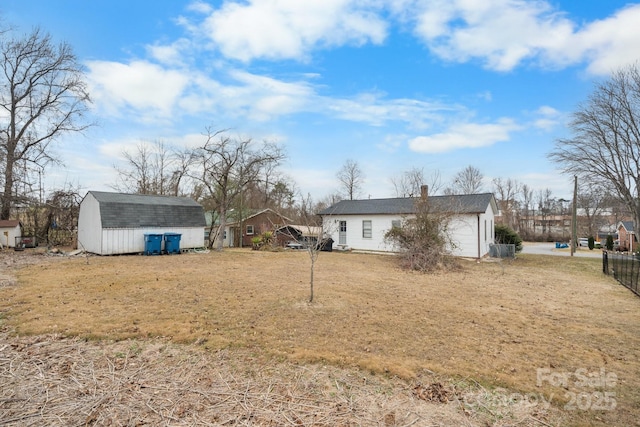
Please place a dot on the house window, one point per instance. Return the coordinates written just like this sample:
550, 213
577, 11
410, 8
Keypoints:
366, 229
396, 223
249, 230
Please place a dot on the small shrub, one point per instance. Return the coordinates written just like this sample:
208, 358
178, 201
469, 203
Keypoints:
591, 243
506, 235
609, 243
256, 243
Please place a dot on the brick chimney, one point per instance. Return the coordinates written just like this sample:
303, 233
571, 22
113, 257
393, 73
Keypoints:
424, 191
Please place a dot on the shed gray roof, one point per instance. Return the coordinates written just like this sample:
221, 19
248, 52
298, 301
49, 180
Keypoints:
118, 210
462, 204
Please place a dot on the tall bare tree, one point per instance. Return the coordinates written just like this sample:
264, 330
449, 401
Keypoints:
467, 181
42, 96
351, 179
409, 182
224, 166
150, 168
526, 207
605, 146
506, 192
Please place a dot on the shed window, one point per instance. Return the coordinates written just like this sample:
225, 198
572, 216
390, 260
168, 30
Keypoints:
396, 223
249, 230
366, 229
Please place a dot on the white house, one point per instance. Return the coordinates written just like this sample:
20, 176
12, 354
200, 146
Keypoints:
9, 230
116, 223
362, 224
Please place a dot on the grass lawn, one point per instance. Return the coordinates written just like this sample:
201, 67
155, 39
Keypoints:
553, 328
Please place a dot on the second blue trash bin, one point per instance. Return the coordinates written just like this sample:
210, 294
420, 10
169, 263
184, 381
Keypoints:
172, 243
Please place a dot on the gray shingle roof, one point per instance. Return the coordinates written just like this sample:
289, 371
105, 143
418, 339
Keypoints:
463, 204
118, 210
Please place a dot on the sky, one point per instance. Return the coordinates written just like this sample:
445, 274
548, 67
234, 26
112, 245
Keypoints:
392, 84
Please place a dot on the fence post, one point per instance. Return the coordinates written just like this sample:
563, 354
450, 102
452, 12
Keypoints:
605, 263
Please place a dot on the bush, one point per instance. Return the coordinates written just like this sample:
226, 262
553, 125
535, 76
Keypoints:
423, 242
256, 243
507, 236
609, 244
591, 243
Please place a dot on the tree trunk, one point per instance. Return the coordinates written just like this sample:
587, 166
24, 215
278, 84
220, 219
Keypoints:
223, 224
7, 196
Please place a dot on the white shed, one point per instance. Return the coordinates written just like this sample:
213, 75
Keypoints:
9, 230
116, 223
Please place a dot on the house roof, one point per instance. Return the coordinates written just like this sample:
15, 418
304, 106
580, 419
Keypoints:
628, 225
304, 230
255, 214
119, 210
9, 223
462, 204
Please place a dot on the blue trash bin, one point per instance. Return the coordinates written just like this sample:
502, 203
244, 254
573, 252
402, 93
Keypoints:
152, 244
172, 243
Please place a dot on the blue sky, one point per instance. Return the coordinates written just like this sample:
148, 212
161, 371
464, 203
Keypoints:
394, 85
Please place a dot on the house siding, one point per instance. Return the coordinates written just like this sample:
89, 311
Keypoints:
380, 224
471, 234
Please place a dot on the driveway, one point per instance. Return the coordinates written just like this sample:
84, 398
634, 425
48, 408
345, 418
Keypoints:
546, 248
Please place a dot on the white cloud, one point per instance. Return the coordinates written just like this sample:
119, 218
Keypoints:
501, 33
547, 118
613, 42
464, 135
374, 109
289, 29
505, 33
145, 88
170, 54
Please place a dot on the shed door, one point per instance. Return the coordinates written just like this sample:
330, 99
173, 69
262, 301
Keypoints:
342, 235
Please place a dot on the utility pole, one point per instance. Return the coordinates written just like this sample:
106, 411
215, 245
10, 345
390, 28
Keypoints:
574, 226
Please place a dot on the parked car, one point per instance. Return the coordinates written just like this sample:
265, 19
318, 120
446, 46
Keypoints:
583, 242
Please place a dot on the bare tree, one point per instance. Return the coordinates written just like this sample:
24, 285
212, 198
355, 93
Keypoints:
467, 181
42, 96
606, 131
351, 178
591, 201
423, 240
224, 166
526, 207
506, 194
151, 168
545, 207
409, 182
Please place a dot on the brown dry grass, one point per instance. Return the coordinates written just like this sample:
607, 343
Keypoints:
487, 326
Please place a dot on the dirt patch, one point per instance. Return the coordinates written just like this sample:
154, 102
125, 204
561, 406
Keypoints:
484, 344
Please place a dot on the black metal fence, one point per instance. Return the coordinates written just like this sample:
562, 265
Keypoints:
625, 268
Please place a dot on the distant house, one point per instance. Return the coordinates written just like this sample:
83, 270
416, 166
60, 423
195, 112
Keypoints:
9, 230
239, 233
362, 224
627, 236
116, 223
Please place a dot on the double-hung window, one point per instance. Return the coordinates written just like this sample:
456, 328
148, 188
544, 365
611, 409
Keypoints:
366, 229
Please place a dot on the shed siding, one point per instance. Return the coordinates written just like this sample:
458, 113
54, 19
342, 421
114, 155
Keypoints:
93, 238
9, 239
90, 225
131, 240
